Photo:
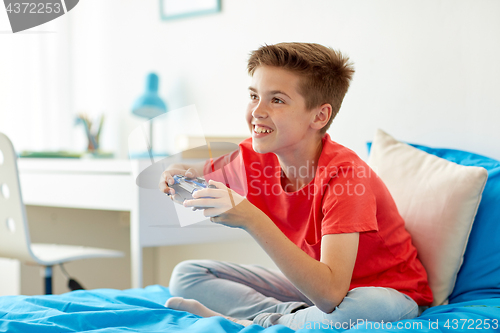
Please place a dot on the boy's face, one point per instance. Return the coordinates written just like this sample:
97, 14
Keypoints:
276, 113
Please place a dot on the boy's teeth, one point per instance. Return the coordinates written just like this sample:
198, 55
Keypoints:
262, 130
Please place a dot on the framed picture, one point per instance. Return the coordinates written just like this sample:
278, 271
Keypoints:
175, 9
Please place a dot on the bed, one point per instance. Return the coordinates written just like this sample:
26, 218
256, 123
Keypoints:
142, 310
473, 304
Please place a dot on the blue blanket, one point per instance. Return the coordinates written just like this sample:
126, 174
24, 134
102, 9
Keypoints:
142, 310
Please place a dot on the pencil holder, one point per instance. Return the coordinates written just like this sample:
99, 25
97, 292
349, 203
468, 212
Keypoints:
92, 135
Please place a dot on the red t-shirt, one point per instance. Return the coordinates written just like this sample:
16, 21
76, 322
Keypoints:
345, 196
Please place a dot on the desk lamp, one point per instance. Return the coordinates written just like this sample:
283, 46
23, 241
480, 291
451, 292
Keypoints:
150, 105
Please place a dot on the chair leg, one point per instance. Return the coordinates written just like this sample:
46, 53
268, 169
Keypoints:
48, 280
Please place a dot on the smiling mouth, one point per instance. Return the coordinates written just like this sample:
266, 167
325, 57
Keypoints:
262, 130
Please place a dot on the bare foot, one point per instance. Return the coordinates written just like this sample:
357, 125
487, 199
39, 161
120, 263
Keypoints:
191, 306
195, 307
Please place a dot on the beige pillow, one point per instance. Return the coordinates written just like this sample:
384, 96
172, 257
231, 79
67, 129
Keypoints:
438, 200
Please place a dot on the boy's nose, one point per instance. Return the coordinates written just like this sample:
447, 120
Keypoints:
259, 112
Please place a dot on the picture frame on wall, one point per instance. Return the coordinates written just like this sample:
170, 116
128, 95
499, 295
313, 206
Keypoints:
176, 9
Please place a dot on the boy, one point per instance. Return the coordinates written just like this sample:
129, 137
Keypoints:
320, 213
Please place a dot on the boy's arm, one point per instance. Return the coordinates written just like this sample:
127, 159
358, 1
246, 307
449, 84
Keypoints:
325, 282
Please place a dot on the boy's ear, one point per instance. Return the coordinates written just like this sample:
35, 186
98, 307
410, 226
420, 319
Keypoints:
321, 117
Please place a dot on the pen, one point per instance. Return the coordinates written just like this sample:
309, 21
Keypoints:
84, 120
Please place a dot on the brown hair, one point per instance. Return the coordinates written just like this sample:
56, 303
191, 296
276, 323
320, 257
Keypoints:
325, 73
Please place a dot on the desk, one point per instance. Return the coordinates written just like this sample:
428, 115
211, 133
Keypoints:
110, 185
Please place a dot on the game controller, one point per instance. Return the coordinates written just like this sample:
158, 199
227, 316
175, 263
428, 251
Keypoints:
185, 187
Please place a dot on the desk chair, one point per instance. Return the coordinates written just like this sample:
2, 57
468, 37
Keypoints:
14, 233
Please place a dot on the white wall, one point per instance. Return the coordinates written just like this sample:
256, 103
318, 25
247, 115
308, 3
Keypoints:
427, 71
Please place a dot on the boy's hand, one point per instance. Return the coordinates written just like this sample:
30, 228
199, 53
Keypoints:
224, 206
167, 177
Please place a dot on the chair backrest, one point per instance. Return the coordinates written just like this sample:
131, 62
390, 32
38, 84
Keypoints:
14, 233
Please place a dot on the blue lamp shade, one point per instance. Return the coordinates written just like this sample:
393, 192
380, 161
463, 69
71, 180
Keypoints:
150, 105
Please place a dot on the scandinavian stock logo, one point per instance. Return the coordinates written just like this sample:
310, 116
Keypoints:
26, 14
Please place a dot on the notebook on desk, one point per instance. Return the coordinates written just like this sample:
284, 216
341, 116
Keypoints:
50, 154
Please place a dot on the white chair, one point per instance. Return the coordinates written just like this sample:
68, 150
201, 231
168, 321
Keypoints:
14, 233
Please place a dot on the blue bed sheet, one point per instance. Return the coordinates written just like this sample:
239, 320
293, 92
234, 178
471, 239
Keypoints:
142, 310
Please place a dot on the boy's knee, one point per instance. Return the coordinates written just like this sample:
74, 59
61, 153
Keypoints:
185, 274
378, 303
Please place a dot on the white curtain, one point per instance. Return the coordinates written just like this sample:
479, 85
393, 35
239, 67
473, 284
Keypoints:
35, 86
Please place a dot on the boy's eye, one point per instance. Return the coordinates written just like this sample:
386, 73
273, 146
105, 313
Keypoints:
253, 96
277, 100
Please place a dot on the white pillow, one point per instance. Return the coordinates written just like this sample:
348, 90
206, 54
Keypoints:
438, 200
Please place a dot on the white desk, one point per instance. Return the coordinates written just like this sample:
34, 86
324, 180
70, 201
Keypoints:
110, 185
